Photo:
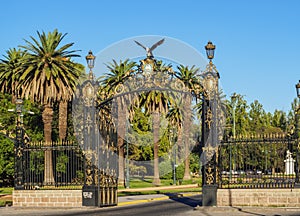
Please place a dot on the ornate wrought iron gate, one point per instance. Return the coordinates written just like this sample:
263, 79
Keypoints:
98, 144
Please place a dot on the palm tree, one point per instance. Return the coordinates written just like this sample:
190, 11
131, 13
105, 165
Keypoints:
118, 75
63, 111
188, 77
10, 68
49, 75
175, 119
155, 103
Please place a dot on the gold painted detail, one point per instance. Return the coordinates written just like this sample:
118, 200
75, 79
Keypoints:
209, 151
209, 116
209, 174
108, 178
119, 88
89, 123
19, 152
88, 170
88, 94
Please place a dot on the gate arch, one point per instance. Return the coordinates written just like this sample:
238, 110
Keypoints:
107, 108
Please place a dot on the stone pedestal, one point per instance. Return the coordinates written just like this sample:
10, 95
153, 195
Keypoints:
209, 195
90, 195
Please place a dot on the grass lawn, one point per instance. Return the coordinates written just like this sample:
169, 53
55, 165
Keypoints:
5, 196
147, 182
7, 190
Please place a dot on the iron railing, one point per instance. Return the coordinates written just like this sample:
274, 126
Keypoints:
67, 166
265, 161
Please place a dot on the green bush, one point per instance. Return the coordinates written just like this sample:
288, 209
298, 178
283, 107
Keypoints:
180, 171
165, 169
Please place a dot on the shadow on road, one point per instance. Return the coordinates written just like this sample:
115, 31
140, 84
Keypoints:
191, 201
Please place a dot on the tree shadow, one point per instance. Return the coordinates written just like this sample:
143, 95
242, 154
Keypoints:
190, 201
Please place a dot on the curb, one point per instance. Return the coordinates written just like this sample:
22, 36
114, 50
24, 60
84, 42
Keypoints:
142, 201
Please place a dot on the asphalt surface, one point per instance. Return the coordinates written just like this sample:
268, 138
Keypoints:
185, 204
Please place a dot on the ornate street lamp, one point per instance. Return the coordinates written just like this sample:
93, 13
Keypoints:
90, 59
210, 79
87, 95
210, 50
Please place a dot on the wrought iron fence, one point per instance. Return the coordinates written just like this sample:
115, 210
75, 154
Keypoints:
67, 166
264, 161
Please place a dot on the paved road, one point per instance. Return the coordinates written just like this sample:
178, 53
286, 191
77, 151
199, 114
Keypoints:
155, 205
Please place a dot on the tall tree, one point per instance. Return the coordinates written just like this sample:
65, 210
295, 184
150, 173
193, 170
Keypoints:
63, 110
10, 68
279, 120
256, 114
241, 114
188, 77
118, 74
155, 104
49, 75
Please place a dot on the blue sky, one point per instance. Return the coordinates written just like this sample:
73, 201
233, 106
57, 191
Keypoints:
257, 41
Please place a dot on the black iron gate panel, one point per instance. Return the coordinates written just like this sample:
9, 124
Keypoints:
108, 189
97, 137
67, 162
264, 161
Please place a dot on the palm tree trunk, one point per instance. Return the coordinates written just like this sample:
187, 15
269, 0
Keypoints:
186, 136
121, 178
121, 135
48, 167
156, 180
62, 119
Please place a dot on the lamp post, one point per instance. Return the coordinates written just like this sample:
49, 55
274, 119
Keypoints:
90, 59
209, 129
297, 182
233, 98
19, 145
20, 155
210, 50
297, 109
88, 90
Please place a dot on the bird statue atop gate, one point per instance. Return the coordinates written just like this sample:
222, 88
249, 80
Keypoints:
149, 50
